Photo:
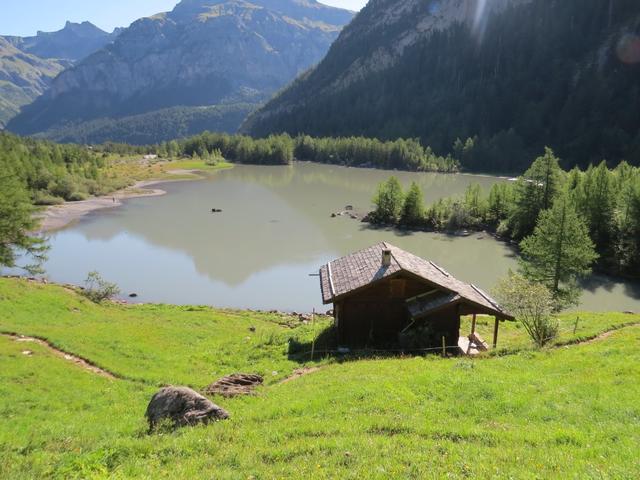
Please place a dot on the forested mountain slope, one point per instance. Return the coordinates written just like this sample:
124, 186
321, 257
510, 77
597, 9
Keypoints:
203, 53
518, 74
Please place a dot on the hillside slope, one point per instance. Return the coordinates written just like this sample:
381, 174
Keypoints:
519, 74
28, 65
567, 412
203, 53
23, 77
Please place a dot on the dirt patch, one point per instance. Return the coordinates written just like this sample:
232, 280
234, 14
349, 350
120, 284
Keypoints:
301, 372
81, 362
234, 385
607, 334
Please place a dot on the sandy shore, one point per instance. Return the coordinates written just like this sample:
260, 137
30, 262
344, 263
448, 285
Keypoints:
57, 217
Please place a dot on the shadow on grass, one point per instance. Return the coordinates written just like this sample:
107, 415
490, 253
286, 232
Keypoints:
325, 346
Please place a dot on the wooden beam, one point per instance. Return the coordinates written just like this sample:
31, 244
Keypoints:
473, 324
495, 333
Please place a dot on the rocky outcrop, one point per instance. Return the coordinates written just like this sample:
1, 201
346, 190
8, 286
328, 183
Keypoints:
203, 53
182, 406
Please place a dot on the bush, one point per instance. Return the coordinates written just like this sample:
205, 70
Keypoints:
97, 289
78, 197
45, 199
532, 304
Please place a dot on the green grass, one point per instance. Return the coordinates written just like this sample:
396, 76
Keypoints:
566, 412
131, 169
512, 336
154, 343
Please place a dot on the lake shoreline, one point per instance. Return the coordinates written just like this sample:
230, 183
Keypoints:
58, 217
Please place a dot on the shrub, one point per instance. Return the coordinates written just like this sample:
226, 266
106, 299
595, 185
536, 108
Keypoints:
532, 304
78, 197
97, 289
45, 199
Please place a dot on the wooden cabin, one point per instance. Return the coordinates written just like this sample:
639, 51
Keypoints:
382, 293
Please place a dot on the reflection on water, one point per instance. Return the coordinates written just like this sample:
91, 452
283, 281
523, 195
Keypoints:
275, 230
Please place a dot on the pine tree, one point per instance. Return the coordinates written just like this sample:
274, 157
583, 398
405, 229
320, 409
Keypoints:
598, 205
388, 201
536, 191
559, 251
16, 222
413, 211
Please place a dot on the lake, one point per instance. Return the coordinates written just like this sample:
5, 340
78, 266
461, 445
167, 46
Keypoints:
274, 232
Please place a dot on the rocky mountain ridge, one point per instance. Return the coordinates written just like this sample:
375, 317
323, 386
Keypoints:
73, 42
28, 65
203, 53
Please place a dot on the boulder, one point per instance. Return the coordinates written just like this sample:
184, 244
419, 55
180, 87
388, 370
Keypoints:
183, 406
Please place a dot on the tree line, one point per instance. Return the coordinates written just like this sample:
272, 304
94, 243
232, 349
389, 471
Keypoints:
564, 222
401, 154
53, 173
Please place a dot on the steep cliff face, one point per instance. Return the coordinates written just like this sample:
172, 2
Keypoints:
203, 53
518, 74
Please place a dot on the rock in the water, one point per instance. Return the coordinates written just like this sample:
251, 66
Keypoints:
183, 406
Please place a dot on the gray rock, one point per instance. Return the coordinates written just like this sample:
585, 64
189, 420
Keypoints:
183, 406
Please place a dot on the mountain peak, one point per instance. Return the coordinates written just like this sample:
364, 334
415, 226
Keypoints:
206, 60
295, 9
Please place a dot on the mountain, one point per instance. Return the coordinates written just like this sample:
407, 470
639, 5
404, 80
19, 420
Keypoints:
23, 77
203, 53
28, 65
512, 75
74, 42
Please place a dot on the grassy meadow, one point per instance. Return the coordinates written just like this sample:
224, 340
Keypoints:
569, 411
128, 169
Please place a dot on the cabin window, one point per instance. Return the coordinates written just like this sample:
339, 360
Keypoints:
398, 287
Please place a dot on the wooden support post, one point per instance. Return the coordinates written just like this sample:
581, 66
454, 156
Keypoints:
313, 342
473, 324
444, 347
495, 333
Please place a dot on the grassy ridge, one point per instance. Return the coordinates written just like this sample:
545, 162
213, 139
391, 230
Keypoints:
565, 412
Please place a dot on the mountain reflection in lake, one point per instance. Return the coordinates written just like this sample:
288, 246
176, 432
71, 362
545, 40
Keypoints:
275, 230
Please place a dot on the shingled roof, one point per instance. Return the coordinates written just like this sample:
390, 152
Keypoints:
345, 275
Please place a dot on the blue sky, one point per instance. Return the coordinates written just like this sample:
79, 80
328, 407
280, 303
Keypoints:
25, 17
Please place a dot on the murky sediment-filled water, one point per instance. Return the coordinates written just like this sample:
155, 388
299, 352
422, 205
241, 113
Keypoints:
275, 230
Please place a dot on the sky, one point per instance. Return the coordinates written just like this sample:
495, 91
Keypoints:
26, 17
